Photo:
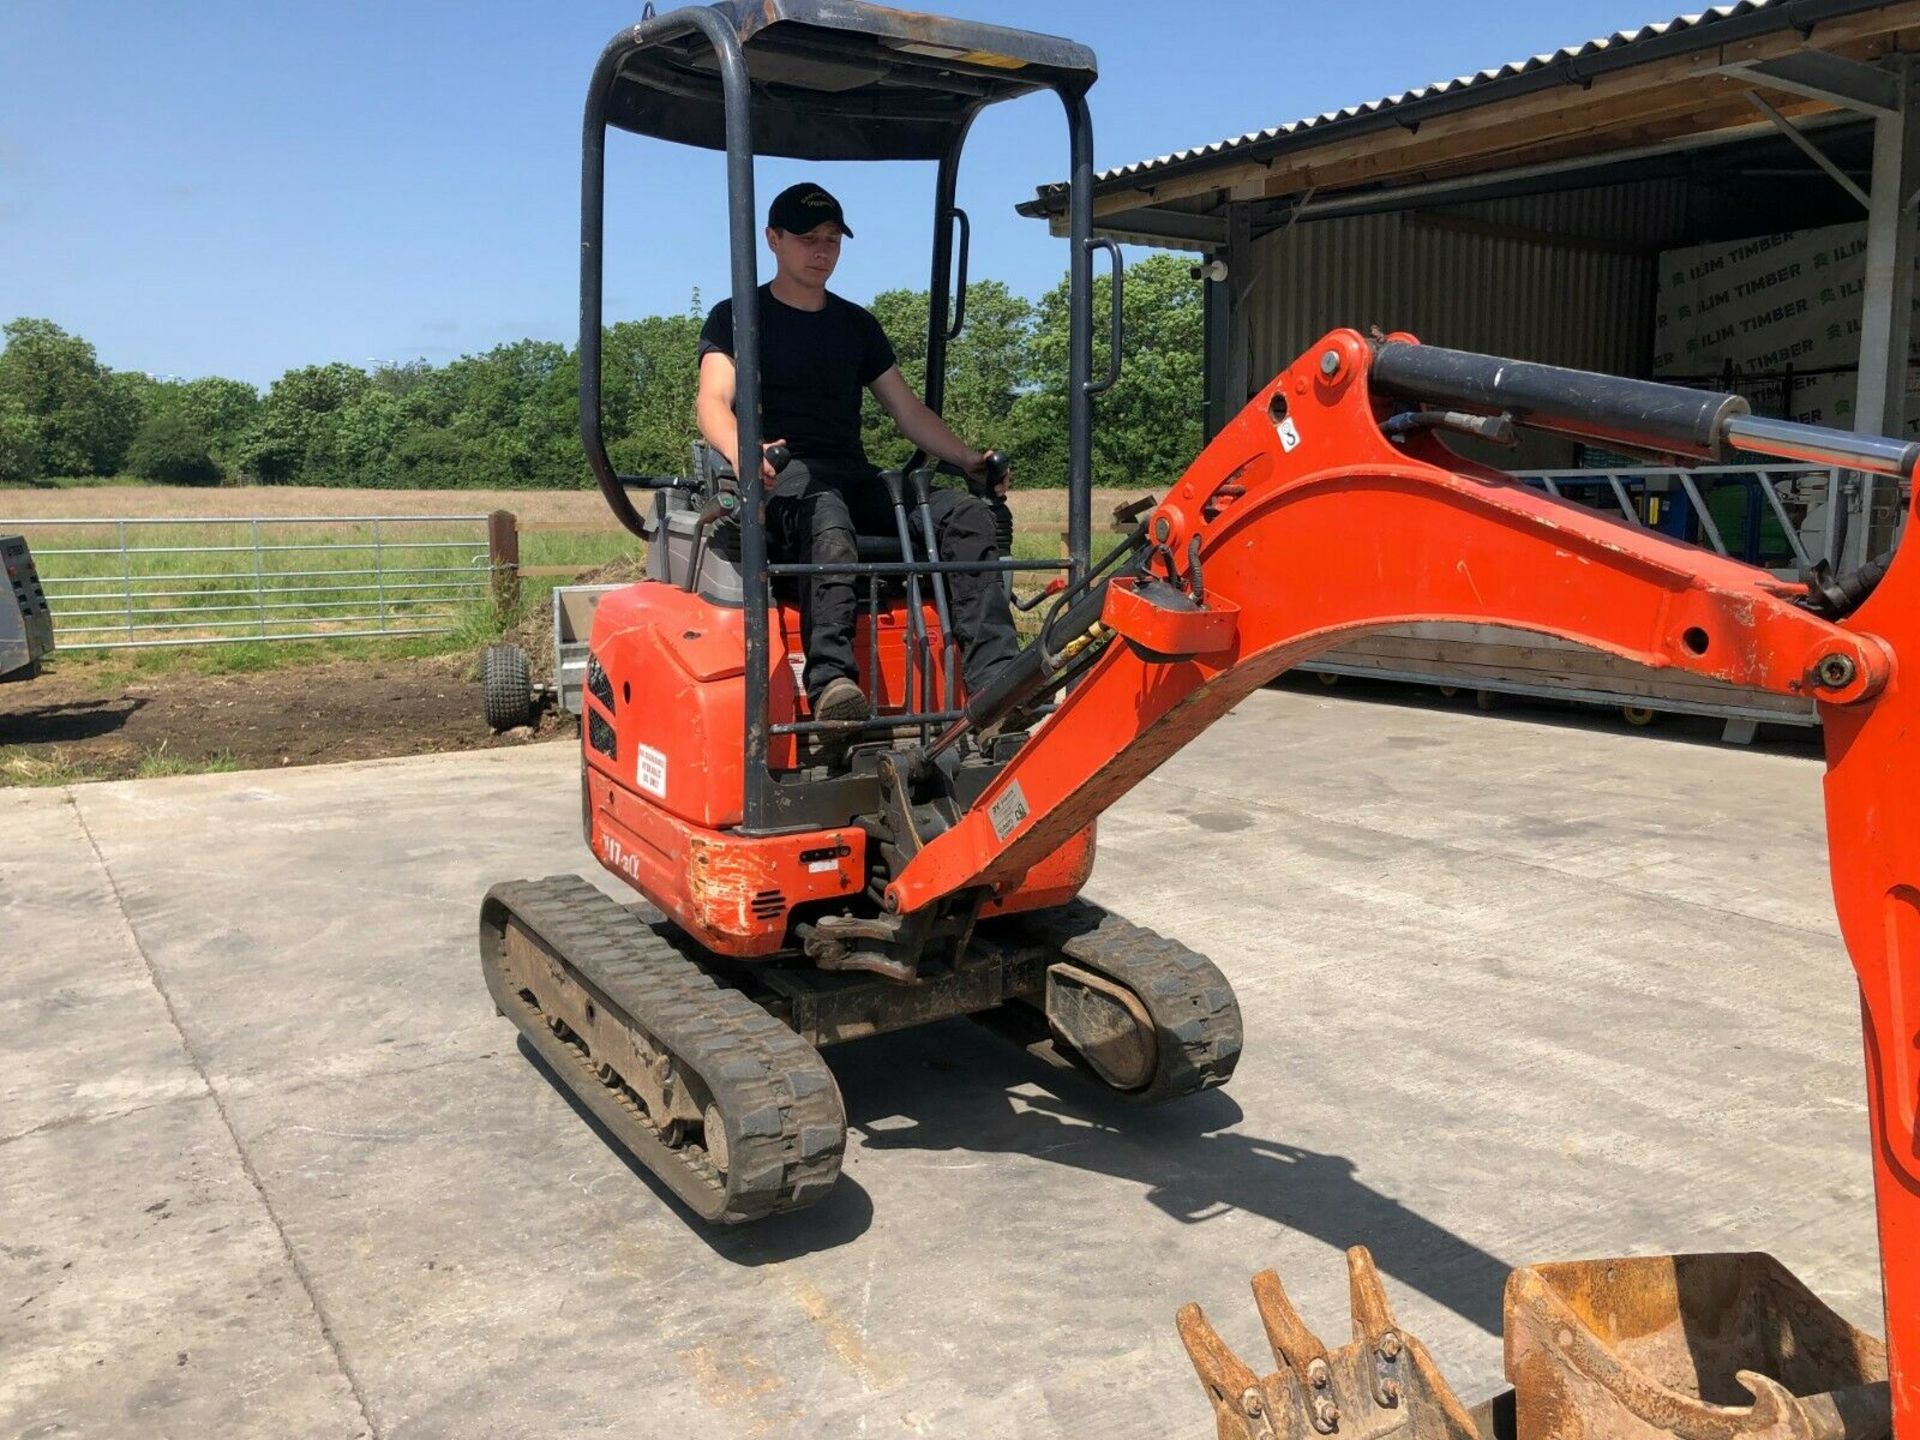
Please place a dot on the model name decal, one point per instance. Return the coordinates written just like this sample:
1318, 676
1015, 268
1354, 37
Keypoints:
620, 858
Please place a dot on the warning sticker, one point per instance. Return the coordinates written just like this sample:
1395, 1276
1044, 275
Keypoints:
1289, 435
1008, 811
799, 664
650, 770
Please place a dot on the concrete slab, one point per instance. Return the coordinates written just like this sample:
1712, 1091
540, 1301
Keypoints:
1511, 992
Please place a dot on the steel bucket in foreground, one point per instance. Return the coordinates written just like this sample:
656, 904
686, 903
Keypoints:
1705, 1347
1698, 1347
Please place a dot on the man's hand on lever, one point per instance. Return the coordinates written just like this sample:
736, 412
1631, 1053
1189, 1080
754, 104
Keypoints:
773, 459
987, 473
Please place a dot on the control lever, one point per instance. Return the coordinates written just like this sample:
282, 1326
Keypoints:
723, 505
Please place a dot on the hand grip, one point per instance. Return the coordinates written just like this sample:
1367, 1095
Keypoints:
1113, 319
777, 456
959, 216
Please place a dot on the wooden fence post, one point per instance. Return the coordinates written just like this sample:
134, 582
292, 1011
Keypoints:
503, 558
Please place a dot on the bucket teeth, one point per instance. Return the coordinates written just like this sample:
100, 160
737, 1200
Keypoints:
1381, 1384
1229, 1384
1368, 1298
1295, 1347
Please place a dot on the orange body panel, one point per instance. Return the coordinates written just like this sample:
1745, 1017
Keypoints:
662, 811
732, 893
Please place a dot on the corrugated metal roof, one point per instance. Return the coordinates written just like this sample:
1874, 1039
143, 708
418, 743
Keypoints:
1615, 47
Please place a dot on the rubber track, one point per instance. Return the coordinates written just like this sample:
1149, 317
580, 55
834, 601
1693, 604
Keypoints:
786, 1126
1195, 1015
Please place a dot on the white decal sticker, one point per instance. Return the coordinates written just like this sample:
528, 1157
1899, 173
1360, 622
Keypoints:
822, 867
620, 858
1008, 811
1289, 435
651, 771
799, 664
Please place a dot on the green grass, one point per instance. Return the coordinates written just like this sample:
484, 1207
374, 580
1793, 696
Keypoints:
158, 762
20, 766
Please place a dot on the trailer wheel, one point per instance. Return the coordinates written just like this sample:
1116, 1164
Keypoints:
506, 687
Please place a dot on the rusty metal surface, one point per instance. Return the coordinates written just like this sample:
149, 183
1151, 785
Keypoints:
1104, 1022
1662, 1347
1382, 1383
830, 1009
1703, 1347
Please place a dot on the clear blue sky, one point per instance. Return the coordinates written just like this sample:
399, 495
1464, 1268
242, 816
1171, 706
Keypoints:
236, 188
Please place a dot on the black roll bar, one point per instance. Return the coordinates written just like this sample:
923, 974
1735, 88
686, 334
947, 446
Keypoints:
1079, 334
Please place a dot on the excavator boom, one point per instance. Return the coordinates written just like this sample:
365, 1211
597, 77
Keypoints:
1330, 508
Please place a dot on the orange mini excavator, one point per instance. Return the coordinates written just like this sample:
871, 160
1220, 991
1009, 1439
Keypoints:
810, 882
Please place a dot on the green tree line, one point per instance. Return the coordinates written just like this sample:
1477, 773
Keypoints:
508, 418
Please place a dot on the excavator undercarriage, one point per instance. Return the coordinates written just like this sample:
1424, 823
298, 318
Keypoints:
711, 1074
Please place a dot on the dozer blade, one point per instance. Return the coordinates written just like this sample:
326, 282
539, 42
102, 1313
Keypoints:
1383, 1383
1698, 1347
1706, 1347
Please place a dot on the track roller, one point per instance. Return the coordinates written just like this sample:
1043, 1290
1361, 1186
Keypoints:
1144, 1015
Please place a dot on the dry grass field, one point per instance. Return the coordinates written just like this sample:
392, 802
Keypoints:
186, 502
1030, 507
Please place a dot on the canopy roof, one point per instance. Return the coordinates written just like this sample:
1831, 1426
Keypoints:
841, 79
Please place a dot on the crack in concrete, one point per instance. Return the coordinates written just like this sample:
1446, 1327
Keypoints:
301, 1273
62, 1122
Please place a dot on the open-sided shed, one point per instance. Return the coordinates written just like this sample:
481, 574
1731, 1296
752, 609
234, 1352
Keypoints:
1526, 210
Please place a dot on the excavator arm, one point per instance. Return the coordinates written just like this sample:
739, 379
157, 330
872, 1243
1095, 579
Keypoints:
1330, 508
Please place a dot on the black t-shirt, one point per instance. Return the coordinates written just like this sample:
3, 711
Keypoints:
813, 366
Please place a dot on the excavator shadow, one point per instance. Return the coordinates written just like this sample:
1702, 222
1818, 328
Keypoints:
842, 1217
901, 1094
68, 721
953, 1087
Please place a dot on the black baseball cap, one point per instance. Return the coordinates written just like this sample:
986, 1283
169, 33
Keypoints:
801, 208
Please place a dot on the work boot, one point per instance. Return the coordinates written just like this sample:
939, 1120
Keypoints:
841, 700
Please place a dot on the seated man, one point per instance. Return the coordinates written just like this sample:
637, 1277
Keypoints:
817, 351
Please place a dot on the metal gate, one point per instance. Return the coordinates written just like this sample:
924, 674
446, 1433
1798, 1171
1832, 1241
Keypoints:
141, 583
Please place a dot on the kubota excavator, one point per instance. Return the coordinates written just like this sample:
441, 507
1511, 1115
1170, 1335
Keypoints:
809, 882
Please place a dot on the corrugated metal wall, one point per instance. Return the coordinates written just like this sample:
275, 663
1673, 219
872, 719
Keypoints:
1583, 298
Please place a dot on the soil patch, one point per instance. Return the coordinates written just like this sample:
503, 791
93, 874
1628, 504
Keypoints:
293, 715
534, 634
